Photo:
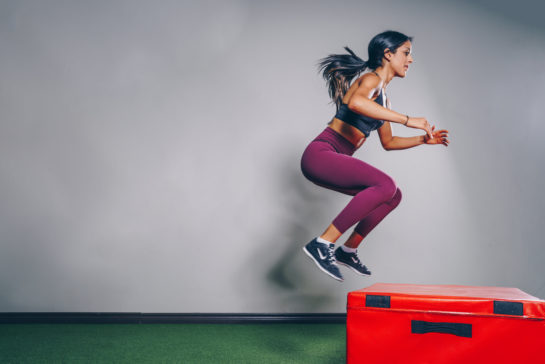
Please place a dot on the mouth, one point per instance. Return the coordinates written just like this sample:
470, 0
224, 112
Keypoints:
406, 67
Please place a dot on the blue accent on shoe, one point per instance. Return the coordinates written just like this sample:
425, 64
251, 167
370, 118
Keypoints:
324, 258
352, 261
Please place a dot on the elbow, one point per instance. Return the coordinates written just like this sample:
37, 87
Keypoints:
387, 147
389, 143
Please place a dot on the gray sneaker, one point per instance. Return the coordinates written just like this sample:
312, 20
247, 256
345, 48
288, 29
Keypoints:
322, 255
352, 261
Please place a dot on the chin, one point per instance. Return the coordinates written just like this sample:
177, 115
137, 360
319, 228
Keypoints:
401, 74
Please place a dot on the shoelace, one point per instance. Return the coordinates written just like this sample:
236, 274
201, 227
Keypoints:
331, 255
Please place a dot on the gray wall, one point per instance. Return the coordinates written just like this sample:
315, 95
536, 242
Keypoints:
150, 152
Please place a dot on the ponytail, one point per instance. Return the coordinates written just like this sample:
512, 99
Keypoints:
339, 70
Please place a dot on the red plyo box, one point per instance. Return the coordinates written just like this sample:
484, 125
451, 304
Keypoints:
433, 324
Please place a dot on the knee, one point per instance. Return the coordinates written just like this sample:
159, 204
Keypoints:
396, 199
389, 189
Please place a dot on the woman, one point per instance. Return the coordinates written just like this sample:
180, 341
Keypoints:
362, 106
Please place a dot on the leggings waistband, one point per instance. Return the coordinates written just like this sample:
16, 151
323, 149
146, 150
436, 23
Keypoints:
337, 141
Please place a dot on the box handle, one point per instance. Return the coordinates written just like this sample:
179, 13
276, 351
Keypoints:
424, 327
372, 300
508, 308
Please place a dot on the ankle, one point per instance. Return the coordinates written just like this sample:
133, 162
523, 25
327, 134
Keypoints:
348, 249
323, 241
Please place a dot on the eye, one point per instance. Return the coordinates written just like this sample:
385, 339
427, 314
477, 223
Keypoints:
407, 53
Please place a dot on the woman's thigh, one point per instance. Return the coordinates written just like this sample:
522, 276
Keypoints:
322, 165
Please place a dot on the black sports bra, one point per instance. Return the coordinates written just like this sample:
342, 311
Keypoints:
363, 123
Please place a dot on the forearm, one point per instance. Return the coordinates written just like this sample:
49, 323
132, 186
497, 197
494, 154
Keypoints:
398, 143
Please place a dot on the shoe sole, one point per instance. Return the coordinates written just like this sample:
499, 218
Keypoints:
353, 269
319, 266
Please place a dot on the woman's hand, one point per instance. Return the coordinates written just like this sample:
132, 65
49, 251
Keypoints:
439, 137
420, 123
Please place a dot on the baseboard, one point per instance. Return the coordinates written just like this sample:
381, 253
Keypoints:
167, 318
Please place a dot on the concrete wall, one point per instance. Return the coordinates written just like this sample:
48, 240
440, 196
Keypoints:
149, 152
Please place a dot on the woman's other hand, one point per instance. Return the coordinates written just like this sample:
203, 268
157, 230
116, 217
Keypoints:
439, 137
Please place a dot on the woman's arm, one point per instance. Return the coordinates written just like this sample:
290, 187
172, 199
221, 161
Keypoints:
361, 102
390, 142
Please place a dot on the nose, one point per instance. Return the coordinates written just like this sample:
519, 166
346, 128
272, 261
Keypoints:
411, 58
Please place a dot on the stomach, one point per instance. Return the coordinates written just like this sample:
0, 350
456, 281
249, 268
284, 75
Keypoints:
349, 132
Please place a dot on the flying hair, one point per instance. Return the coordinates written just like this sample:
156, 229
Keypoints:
339, 70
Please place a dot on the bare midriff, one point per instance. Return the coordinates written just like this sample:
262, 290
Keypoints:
349, 132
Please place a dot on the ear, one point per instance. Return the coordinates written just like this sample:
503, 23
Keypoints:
388, 54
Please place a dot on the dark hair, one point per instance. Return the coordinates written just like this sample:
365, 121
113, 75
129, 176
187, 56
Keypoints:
340, 69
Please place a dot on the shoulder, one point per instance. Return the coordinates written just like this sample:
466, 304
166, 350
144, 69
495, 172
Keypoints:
368, 86
369, 81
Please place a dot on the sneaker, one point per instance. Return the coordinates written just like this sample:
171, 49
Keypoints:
352, 261
322, 255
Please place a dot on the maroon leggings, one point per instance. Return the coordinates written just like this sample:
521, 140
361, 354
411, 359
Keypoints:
328, 162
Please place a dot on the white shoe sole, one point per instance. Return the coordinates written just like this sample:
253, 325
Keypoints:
319, 266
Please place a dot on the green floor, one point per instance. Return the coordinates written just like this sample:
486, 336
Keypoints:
189, 343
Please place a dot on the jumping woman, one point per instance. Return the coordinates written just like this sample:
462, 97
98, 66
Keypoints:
362, 106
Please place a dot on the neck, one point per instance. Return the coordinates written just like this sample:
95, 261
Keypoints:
385, 74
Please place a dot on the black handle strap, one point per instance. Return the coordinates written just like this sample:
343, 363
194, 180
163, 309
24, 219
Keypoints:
424, 327
372, 300
508, 308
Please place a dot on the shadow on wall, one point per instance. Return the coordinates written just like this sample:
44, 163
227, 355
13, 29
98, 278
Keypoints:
287, 279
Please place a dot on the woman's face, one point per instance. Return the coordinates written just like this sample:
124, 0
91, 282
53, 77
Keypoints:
401, 59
